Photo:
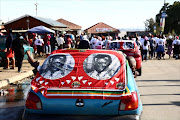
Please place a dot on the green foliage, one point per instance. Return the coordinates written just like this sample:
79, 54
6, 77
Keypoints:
172, 22
149, 25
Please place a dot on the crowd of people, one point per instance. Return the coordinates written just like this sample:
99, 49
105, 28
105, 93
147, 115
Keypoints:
157, 46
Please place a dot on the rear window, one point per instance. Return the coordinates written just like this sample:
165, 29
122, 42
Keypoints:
57, 66
114, 45
128, 45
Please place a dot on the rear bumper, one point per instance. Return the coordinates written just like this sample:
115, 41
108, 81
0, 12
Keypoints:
138, 62
59, 117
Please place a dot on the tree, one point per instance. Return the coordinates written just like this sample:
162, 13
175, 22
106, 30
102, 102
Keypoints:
172, 22
149, 25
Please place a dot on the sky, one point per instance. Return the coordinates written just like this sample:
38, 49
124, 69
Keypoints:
120, 14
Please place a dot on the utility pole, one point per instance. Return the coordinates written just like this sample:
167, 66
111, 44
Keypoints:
36, 4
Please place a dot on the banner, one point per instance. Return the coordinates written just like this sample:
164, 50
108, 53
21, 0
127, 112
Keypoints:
104, 30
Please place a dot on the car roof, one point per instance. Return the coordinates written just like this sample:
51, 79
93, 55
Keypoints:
123, 41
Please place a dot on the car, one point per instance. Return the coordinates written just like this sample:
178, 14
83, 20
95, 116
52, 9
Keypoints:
82, 84
130, 48
3, 46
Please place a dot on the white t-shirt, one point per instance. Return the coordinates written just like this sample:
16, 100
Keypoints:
39, 42
146, 47
93, 42
60, 40
160, 42
176, 42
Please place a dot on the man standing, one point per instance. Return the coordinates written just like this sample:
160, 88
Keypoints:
60, 41
18, 48
8, 49
53, 42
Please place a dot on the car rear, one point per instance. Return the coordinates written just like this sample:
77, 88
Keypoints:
86, 101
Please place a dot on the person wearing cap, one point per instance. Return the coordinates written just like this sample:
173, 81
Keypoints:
18, 49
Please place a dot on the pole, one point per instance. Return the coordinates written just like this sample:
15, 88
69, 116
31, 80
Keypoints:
36, 7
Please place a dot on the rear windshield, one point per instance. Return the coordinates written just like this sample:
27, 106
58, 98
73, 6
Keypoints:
99, 66
128, 45
114, 45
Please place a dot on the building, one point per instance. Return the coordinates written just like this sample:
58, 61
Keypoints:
72, 28
102, 29
27, 22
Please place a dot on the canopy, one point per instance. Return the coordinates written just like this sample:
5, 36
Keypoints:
40, 29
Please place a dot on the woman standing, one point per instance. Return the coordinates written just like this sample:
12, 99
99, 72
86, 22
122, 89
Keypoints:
69, 41
170, 48
145, 47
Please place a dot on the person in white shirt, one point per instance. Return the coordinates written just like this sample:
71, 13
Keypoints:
39, 43
176, 49
60, 41
93, 42
160, 43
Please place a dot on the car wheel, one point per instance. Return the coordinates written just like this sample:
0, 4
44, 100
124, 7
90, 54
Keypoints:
139, 71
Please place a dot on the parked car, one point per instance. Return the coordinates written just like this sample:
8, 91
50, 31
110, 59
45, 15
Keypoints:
130, 48
3, 46
84, 84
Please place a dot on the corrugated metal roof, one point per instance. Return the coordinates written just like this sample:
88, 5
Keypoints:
49, 21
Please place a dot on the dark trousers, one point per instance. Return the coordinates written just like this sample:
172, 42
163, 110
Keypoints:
152, 53
39, 49
19, 59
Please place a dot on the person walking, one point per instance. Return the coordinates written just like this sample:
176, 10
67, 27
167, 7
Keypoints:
18, 48
169, 45
8, 50
152, 47
160, 48
84, 43
145, 47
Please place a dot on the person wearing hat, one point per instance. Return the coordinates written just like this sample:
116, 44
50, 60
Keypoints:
18, 48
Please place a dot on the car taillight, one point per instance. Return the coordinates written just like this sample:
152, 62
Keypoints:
129, 103
33, 102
